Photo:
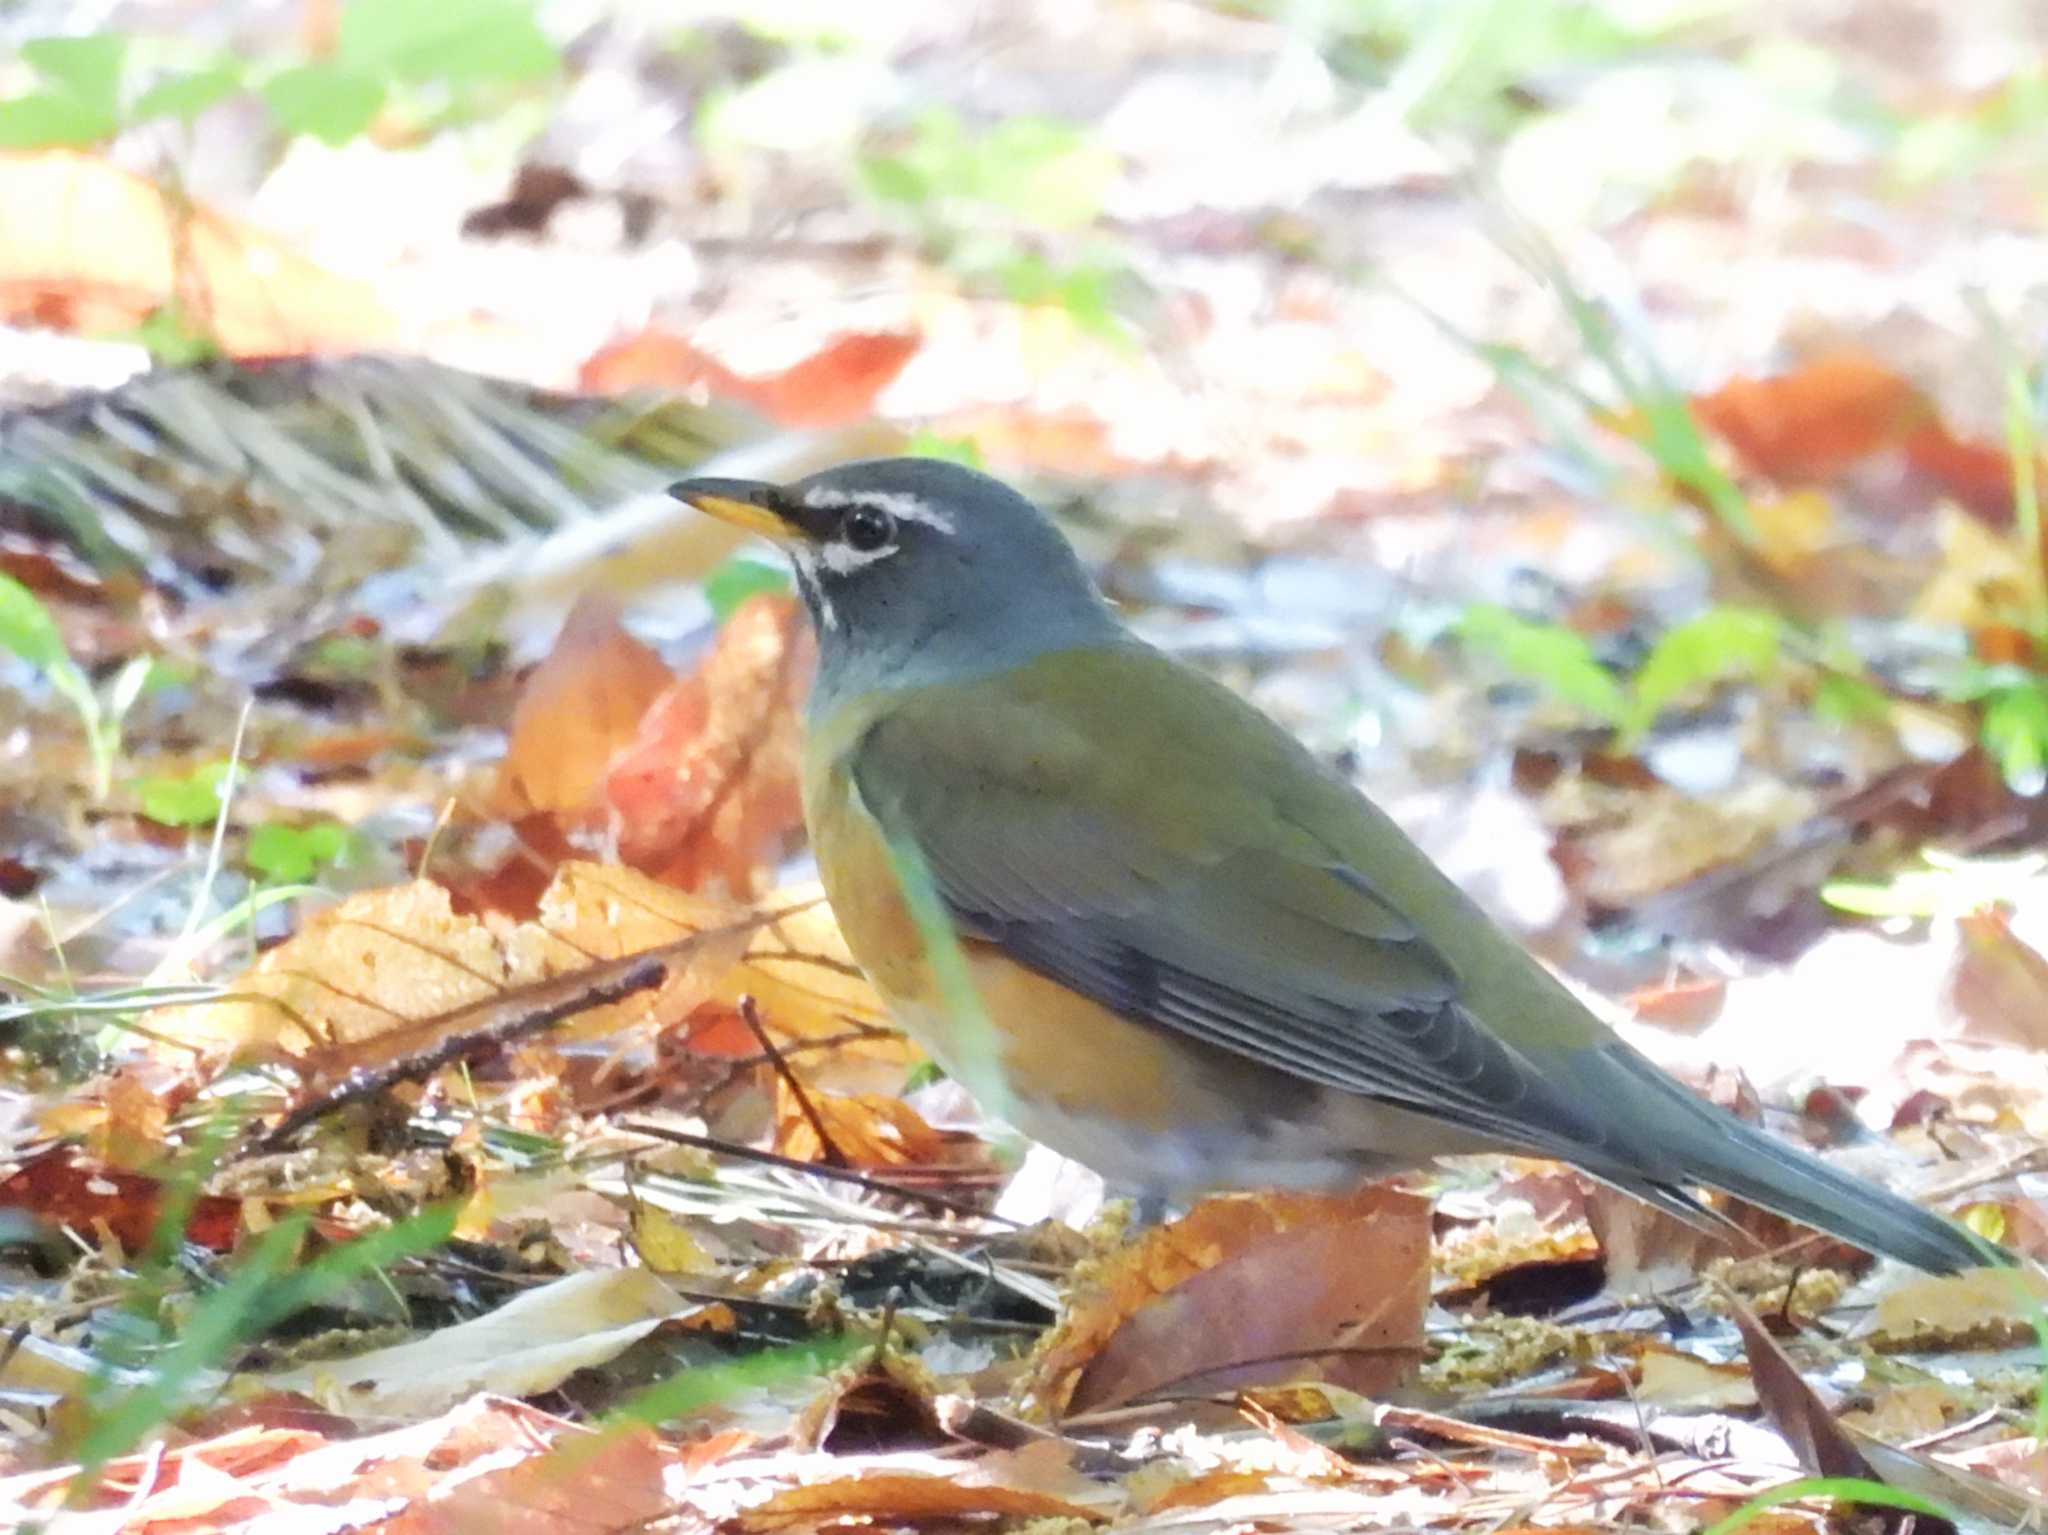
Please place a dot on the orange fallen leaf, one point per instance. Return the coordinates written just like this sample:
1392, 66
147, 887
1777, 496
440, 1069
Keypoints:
109, 247
709, 788
868, 1129
65, 1187
801, 978
386, 960
1977, 474
576, 711
1809, 425
903, 1497
834, 386
1246, 1291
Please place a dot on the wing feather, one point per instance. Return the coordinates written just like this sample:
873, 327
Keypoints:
1208, 914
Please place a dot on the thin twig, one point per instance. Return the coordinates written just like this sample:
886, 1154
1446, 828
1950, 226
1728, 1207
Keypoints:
828, 1149
646, 972
792, 1164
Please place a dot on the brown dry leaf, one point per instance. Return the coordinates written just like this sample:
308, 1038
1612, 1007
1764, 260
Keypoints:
1999, 987
576, 711
1246, 1291
1987, 1307
1669, 1377
903, 1497
834, 386
1810, 425
868, 1129
888, 1405
1899, 1413
708, 791
386, 960
110, 247
1791, 1405
1212, 1486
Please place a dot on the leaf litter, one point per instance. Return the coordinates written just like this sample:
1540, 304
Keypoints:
1741, 648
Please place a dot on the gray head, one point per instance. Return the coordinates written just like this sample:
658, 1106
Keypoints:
917, 571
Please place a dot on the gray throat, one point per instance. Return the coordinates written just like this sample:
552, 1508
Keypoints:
950, 642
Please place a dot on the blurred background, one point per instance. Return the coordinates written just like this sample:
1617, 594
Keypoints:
1610, 429
1610, 432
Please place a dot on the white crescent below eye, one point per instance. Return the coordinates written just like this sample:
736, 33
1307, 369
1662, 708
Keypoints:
843, 559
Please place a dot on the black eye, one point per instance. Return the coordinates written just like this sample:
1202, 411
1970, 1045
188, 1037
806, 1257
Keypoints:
867, 528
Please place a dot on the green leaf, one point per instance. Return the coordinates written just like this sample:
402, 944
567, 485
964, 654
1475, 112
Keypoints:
738, 579
214, 1327
460, 42
186, 96
173, 339
333, 103
954, 450
1551, 654
2015, 731
291, 854
893, 179
1843, 699
86, 69
27, 629
47, 120
1085, 292
263, 1291
1848, 1489
1722, 643
193, 800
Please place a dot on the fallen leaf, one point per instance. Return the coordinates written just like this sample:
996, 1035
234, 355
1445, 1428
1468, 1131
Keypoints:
1804, 1420
385, 960
1976, 474
1822, 418
834, 386
576, 711
868, 1129
1669, 1377
803, 979
68, 1188
609, 1482
489, 1463
709, 789
1981, 576
888, 1405
529, 1345
1245, 1291
1999, 986
902, 1497
112, 247
666, 1245
1980, 1308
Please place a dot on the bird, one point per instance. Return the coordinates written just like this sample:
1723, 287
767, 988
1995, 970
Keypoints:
1149, 928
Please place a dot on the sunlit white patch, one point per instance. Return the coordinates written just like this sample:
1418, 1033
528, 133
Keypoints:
899, 504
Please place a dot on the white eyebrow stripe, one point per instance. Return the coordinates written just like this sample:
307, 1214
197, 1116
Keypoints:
899, 504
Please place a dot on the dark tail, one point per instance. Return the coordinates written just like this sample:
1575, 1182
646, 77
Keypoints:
1696, 1143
